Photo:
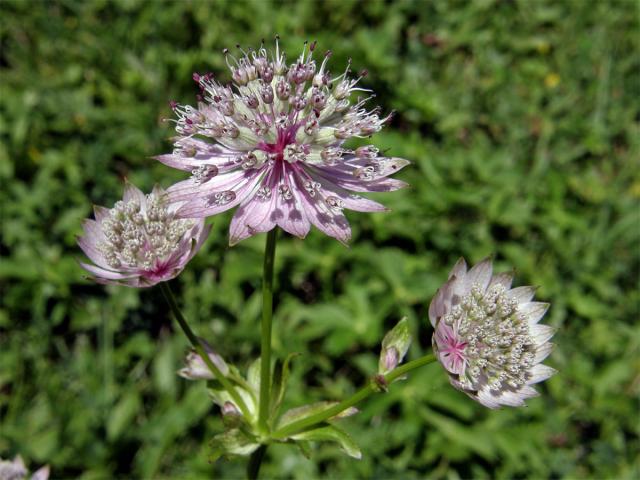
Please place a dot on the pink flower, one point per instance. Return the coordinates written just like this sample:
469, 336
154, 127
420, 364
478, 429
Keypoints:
140, 242
487, 335
273, 145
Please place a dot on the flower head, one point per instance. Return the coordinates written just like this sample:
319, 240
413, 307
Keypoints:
487, 335
272, 144
140, 242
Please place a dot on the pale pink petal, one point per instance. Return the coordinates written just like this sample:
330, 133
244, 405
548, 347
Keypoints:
289, 213
459, 269
207, 206
540, 373
542, 352
333, 224
441, 302
504, 279
480, 274
541, 333
190, 189
533, 311
131, 192
92, 252
486, 398
522, 294
104, 273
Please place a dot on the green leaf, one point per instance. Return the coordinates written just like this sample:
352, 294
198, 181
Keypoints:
332, 433
253, 376
233, 442
122, 415
304, 411
304, 447
280, 379
394, 347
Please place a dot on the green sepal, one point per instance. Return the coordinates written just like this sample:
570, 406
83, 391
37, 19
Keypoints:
331, 433
394, 347
304, 411
232, 442
280, 379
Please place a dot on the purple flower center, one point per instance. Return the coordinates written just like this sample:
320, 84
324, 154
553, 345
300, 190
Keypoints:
451, 349
285, 137
159, 270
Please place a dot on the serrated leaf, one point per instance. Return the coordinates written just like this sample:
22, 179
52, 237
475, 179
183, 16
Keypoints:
332, 433
280, 379
304, 411
232, 442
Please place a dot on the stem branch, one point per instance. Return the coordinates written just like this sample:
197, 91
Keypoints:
357, 397
171, 300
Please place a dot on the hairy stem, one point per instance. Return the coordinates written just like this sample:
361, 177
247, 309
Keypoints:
357, 397
173, 305
265, 343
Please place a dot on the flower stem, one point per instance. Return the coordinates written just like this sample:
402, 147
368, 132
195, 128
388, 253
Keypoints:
265, 343
255, 461
171, 300
357, 397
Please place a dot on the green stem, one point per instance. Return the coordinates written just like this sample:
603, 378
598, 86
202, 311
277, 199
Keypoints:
357, 397
255, 461
265, 343
171, 300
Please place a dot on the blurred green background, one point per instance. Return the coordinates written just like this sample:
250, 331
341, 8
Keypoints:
522, 122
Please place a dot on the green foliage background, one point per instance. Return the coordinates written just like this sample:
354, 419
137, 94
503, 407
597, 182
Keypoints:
522, 122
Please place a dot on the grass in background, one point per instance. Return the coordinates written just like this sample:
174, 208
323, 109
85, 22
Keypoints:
522, 120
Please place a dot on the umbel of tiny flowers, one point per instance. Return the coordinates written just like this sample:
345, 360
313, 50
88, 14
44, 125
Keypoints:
487, 335
140, 241
272, 142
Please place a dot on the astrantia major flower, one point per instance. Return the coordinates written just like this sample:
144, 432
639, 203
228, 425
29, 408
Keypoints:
139, 242
487, 335
272, 143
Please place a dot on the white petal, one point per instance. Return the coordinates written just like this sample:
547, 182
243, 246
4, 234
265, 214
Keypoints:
511, 399
522, 294
542, 333
441, 302
528, 392
534, 311
459, 269
540, 373
131, 192
503, 279
480, 274
542, 352
487, 399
